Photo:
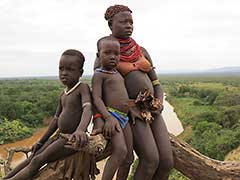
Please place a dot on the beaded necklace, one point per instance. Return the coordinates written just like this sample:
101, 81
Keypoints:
72, 89
113, 71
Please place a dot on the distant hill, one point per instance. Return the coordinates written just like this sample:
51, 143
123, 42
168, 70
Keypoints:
235, 71
225, 70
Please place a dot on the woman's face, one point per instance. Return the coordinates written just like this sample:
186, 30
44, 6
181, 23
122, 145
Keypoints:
122, 25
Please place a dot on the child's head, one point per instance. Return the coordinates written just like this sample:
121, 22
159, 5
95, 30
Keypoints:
71, 67
108, 52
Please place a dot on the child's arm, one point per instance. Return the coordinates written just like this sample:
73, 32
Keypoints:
53, 126
79, 136
111, 125
98, 122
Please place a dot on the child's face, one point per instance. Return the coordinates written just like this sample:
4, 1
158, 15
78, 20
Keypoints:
109, 54
69, 70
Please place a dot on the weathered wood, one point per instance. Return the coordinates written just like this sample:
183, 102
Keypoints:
187, 160
11, 152
196, 166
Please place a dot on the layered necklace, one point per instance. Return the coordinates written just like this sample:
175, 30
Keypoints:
67, 92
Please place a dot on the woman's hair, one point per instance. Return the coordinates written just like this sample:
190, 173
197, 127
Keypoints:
113, 10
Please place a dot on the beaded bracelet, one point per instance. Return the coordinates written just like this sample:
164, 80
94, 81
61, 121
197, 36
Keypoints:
97, 116
155, 82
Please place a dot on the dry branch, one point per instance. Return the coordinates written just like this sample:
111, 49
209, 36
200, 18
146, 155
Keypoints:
187, 160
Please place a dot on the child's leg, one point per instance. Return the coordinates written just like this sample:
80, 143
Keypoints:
18, 168
26, 162
119, 152
124, 168
52, 153
160, 134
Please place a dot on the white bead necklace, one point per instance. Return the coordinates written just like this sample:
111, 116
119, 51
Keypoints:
72, 89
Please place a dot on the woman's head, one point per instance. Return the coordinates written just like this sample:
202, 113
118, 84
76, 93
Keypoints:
120, 21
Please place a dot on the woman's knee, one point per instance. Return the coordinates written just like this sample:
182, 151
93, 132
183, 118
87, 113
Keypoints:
151, 161
166, 164
129, 159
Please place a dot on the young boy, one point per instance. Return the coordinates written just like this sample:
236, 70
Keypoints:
110, 97
72, 117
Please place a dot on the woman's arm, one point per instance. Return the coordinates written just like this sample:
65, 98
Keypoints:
158, 91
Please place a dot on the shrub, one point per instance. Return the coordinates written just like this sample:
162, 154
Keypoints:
228, 100
12, 131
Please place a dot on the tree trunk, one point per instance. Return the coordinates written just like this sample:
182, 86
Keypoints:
187, 160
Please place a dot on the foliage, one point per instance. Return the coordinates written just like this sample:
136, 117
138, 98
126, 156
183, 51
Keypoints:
12, 131
228, 100
176, 175
27, 102
209, 108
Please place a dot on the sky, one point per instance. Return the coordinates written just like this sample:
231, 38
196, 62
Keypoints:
186, 35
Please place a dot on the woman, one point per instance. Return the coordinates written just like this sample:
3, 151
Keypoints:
150, 136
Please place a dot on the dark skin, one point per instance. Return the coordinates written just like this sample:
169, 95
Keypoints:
109, 91
72, 117
155, 154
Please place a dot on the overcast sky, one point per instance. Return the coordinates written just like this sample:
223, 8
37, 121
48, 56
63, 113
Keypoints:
178, 34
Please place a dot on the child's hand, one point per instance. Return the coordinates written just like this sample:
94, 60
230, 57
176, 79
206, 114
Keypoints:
98, 125
79, 139
110, 127
36, 147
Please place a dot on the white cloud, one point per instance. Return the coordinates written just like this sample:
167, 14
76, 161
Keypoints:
187, 34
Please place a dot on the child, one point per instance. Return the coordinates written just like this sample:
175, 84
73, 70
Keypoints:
111, 100
72, 117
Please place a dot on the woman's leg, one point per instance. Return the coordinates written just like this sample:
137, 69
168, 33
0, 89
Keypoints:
52, 153
160, 134
124, 168
146, 149
119, 152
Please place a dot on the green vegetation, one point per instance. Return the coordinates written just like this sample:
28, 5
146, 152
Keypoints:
209, 108
24, 104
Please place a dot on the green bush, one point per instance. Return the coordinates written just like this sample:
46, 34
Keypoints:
176, 175
13, 130
229, 117
231, 99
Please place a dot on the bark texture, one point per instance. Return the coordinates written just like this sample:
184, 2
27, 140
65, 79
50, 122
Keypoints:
187, 160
